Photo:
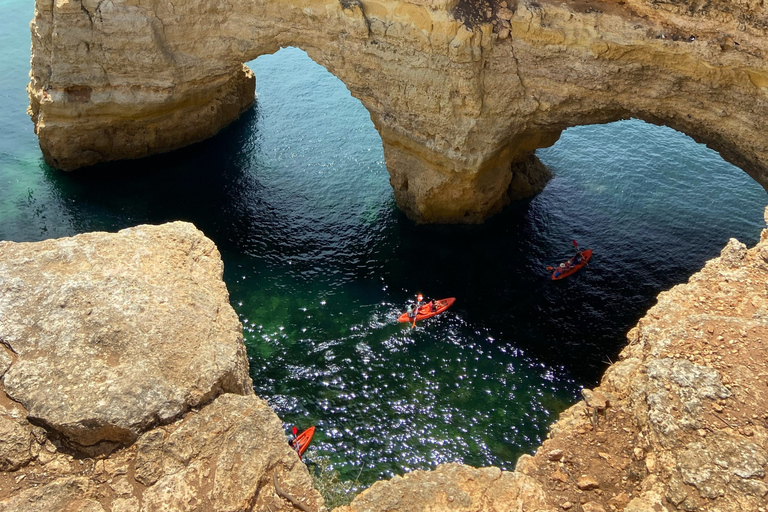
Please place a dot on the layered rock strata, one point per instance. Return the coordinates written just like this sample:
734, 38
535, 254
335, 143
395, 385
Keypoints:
124, 381
679, 423
460, 92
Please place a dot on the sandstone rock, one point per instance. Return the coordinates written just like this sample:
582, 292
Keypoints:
126, 505
524, 464
650, 462
222, 457
63, 494
555, 455
529, 177
733, 253
592, 506
16, 442
20, 442
586, 483
453, 487
5, 360
723, 460
594, 399
647, 502
505, 14
619, 502
679, 381
119, 299
115, 333
457, 105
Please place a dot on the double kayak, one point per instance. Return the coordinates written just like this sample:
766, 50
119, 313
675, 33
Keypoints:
430, 309
301, 442
573, 265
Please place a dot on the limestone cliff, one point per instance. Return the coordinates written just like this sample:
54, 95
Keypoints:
124, 381
462, 92
680, 422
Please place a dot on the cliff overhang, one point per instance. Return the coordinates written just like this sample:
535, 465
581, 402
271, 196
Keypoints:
462, 93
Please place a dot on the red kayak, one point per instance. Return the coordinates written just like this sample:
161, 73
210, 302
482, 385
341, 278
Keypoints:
430, 309
571, 266
302, 441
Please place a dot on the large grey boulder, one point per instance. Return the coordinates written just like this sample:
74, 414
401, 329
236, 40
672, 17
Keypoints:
116, 333
220, 459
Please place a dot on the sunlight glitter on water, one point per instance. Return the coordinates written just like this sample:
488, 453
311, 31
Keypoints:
319, 262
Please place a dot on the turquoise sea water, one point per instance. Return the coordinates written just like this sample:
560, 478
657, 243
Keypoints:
319, 262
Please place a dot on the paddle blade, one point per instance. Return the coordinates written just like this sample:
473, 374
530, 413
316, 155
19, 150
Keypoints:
576, 245
550, 268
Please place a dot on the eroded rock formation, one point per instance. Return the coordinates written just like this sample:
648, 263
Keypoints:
460, 92
679, 423
124, 381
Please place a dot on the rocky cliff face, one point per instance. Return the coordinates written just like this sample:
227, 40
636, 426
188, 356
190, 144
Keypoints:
124, 387
680, 422
124, 381
462, 93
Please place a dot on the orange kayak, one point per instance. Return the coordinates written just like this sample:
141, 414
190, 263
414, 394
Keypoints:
571, 266
427, 310
302, 441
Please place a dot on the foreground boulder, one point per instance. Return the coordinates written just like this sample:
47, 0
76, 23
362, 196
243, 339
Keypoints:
453, 487
125, 383
114, 333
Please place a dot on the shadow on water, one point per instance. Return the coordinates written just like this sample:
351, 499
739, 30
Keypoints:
208, 183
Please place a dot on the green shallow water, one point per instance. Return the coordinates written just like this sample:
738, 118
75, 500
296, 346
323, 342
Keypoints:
319, 262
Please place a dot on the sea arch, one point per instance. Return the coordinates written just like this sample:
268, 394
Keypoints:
462, 93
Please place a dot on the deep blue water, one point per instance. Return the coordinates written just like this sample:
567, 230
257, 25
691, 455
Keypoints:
319, 262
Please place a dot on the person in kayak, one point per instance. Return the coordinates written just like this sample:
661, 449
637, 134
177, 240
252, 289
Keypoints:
292, 437
413, 309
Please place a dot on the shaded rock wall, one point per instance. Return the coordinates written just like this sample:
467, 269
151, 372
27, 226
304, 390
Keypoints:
124, 381
458, 91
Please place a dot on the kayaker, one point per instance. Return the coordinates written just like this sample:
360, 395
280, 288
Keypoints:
292, 441
411, 311
414, 311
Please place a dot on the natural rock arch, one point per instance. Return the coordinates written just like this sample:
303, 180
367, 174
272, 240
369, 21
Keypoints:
461, 94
